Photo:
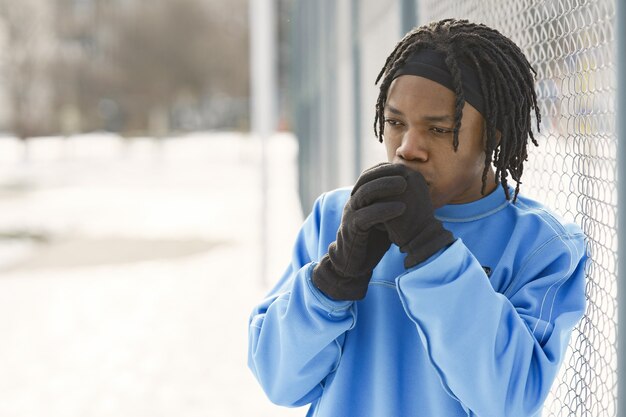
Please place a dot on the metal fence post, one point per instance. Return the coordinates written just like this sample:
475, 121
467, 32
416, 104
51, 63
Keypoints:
621, 164
408, 16
356, 85
263, 89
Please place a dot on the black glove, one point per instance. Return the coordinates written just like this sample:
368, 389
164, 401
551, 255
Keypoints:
417, 232
344, 273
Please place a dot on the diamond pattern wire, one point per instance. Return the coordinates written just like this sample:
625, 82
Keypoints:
571, 44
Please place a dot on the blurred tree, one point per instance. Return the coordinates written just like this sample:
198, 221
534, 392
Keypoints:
178, 54
125, 65
26, 50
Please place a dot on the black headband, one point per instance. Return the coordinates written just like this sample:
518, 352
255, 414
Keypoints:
431, 64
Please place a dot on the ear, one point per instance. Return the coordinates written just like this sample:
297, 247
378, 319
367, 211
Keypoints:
498, 135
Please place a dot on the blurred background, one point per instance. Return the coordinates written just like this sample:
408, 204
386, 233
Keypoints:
157, 159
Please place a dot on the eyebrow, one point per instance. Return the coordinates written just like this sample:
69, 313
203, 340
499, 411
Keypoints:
428, 118
442, 118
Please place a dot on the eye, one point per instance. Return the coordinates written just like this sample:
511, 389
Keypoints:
392, 122
440, 131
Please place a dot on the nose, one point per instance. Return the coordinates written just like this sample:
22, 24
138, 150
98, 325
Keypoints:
413, 147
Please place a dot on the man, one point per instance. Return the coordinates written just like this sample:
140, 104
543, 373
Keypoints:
431, 288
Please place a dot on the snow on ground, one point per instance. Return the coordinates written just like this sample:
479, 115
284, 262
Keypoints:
128, 269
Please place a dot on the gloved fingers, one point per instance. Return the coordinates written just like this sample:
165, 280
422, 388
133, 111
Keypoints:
381, 227
377, 189
384, 169
416, 181
369, 216
378, 243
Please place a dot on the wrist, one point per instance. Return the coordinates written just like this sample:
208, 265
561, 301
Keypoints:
336, 286
429, 241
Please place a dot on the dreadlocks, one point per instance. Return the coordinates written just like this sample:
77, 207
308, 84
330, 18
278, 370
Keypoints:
506, 83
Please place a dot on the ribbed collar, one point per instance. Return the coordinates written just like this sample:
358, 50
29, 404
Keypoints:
489, 204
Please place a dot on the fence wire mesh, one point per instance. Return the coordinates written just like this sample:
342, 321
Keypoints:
571, 44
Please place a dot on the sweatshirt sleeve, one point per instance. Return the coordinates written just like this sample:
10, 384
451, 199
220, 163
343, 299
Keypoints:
295, 335
498, 354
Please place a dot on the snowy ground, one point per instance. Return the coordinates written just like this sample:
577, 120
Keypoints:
128, 270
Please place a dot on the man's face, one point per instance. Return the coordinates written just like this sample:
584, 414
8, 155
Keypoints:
419, 121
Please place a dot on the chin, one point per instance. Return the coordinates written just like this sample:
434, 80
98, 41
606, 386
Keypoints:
436, 202
436, 199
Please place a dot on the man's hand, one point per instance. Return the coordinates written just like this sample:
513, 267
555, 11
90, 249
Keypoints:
344, 273
416, 231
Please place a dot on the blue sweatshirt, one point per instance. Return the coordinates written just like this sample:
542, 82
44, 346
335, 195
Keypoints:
479, 329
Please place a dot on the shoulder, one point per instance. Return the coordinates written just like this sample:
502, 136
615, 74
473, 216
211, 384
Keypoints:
325, 217
540, 218
332, 202
545, 236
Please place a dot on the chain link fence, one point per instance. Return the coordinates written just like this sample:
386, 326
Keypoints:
571, 44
